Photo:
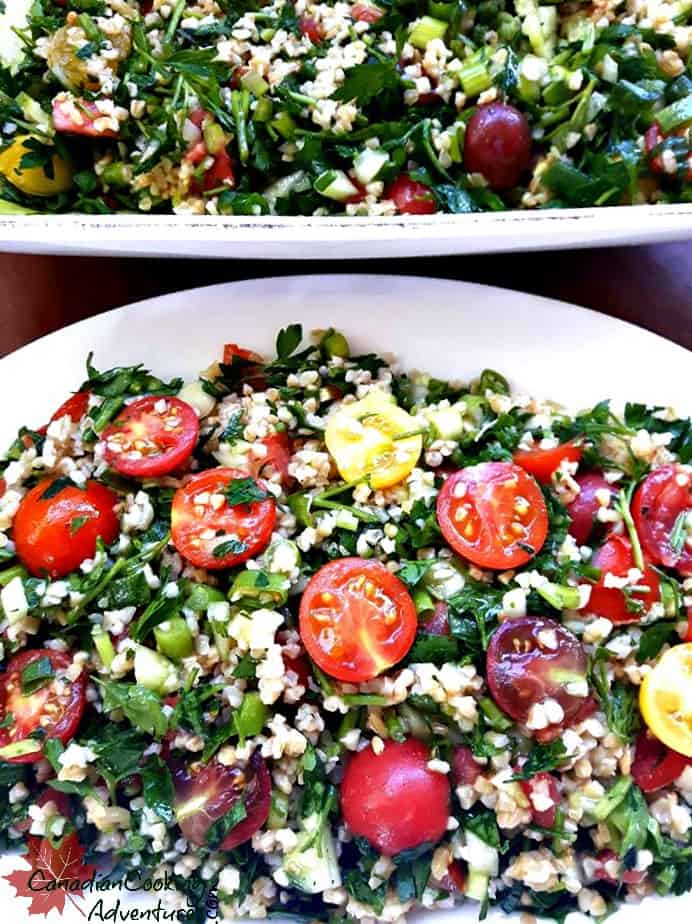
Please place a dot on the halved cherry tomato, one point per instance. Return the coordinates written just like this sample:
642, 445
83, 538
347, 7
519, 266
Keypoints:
57, 714
356, 619
393, 800
664, 496
541, 463
364, 12
204, 793
210, 533
411, 197
278, 455
310, 27
75, 407
610, 870
531, 659
300, 668
615, 557
232, 350
494, 514
583, 509
152, 436
465, 767
75, 116
57, 525
253, 375
656, 765
541, 789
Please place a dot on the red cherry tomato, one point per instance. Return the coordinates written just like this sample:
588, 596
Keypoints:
356, 619
75, 407
663, 497
494, 514
541, 789
455, 879
610, 870
300, 668
205, 793
393, 800
531, 659
79, 117
583, 509
363, 12
56, 527
498, 144
688, 635
151, 437
278, 455
232, 350
310, 27
411, 197
656, 765
220, 536
541, 463
56, 713
465, 767
437, 622
615, 557
254, 375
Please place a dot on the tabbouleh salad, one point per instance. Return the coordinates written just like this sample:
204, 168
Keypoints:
365, 108
341, 641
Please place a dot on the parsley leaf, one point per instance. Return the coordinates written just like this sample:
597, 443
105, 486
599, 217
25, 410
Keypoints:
653, 639
140, 706
288, 340
229, 547
543, 757
157, 788
36, 675
243, 491
364, 82
220, 828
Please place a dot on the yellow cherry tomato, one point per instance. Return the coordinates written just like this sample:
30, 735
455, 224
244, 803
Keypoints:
665, 699
367, 439
33, 180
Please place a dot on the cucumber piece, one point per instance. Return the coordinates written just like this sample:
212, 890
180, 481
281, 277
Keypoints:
334, 184
103, 645
477, 886
367, 165
201, 596
194, 394
426, 29
20, 748
444, 579
448, 422
282, 557
258, 589
155, 672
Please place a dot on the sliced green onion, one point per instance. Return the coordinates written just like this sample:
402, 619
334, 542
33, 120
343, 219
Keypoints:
676, 115
425, 29
250, 717
174, 639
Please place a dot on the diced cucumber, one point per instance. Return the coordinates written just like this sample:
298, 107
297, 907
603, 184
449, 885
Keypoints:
255, 83
444, 579
174, 639
201, 596
484, 863
368, 164
426, 29
294, 182
282, 557
561, 596
334, 184
34, 113
194, 394
447, 421
154, 671
347, 520
258, 589
476, 886
233, 455
676, 115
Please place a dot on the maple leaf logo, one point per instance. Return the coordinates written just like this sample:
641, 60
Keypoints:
50, 881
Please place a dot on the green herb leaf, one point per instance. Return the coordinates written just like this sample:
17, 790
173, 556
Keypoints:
653, 639
141, 706
76, 524
288, 340
243, 491
56, 486
157, 788
221, 828
36, 675
229, 547
541, 758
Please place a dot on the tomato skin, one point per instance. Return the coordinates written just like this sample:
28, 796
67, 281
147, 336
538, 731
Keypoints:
656, 765
43, 530
170, 436
393, 800
363, 12
411, 197
300, 668
343, 615
277, 458
75, 407
489, 497
523, 671
653, 137
220, 173
312, 29
232, 350
497, 144
541, 463
657, 503
542, 784
465, 767
615, 557
251, 523
64, 120
212, 790
583, 509
28, 711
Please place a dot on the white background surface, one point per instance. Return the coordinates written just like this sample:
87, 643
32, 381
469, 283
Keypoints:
450, 329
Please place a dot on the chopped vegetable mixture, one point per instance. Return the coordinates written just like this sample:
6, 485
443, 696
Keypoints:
338, 642
369, 108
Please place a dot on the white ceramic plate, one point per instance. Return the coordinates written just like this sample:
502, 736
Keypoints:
342, 238
451, 329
